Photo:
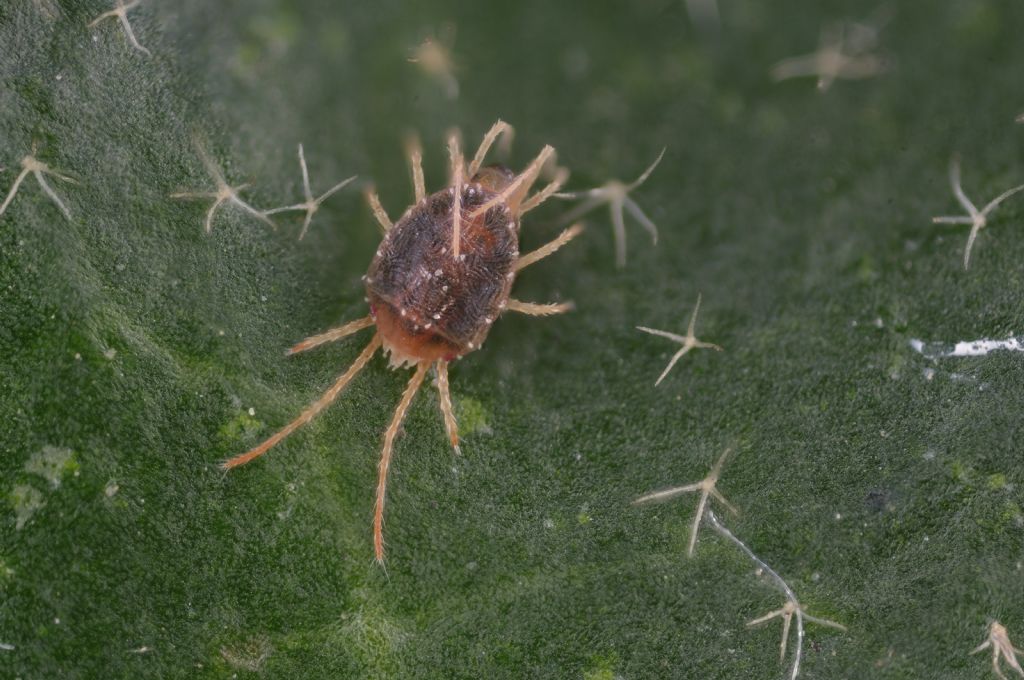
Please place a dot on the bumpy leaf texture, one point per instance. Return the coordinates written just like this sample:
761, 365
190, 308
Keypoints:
137, 351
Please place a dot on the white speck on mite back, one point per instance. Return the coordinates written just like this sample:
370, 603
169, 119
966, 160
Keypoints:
966, 348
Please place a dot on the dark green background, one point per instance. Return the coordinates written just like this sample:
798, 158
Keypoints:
803, 217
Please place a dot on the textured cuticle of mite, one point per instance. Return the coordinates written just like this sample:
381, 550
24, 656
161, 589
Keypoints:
434, 293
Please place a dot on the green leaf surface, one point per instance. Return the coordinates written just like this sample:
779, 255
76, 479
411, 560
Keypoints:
138, 351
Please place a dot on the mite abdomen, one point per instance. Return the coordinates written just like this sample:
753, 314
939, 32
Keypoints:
428, 303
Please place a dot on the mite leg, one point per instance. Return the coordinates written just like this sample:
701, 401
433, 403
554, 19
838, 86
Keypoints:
545, 250
485, 146
458, 166
378, 210
385, 458
415, 151
544, 194
315, 408
534, 309
518, 187
450, 426
331, 335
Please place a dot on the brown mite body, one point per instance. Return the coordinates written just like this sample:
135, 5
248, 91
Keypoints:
429, 305
440, 278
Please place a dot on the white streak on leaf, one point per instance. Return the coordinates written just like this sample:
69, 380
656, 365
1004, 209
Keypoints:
965, 348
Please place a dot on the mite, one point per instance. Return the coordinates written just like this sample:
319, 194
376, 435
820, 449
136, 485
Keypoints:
440, 278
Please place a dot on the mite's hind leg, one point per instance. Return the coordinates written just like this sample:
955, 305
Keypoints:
331, 335
385, 458
485, 146
450, 426
415, 152
547, 249
378, 210
535, 309
315, 408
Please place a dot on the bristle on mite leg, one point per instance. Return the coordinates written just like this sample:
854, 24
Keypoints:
331, 335
315, 408
385, 458
485, 145
548, 248
458, 166
535, 309
519, 186
450, 426
561, 175
415, 151
378, 210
